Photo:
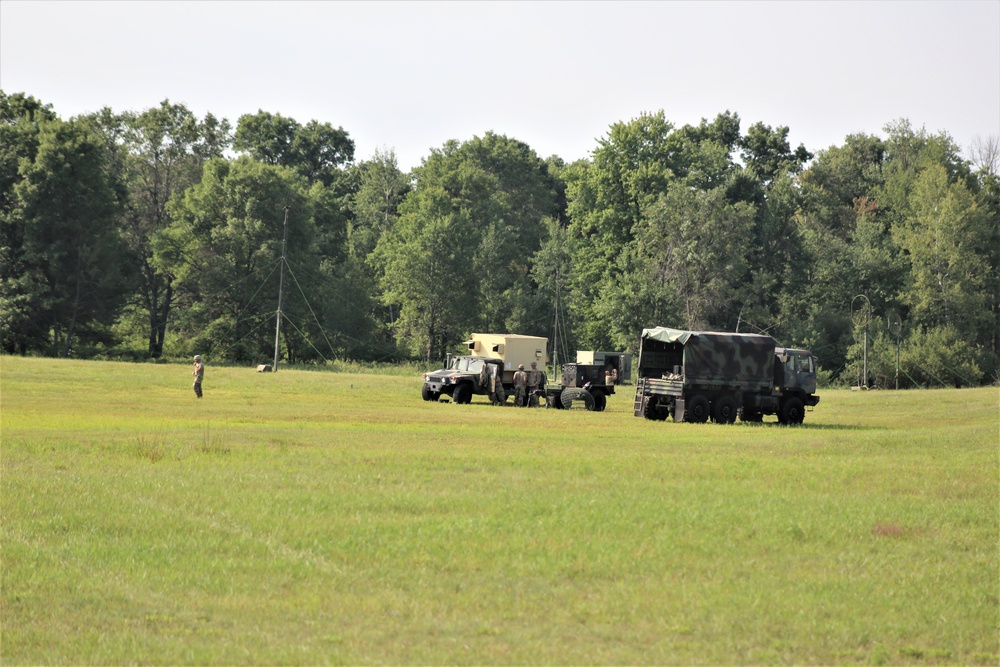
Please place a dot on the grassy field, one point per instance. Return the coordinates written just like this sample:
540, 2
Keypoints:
336, 518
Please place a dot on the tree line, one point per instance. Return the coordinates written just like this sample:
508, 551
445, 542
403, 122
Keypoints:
160, 234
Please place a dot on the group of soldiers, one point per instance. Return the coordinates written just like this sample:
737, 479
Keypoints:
528, 385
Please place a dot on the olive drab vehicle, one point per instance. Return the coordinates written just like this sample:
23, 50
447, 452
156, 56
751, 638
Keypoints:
465, 376
498, 355
695, 376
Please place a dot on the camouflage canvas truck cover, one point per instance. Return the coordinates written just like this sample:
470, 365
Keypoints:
700, 375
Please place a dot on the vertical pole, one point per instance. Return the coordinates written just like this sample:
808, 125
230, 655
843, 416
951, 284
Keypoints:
555, 337
897, 361
281, 289
866, 353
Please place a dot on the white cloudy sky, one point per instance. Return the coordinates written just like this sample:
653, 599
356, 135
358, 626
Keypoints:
556, 75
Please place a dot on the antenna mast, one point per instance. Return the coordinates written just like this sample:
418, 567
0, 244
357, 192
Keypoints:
281, 289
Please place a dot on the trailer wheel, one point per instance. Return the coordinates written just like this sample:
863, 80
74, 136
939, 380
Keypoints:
462, 394
429, 395
792, 412
569, 395
697, 410
600, 401
725, 409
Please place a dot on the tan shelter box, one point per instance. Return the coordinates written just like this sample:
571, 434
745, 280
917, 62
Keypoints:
512, 349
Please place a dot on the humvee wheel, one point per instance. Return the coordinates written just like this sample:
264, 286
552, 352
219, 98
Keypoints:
792, 412
462, 394
697, 410
600, 401
725, 409
429, 395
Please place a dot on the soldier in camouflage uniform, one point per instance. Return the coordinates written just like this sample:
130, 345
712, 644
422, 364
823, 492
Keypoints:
199, 374
497, 393
520, 386
536, 384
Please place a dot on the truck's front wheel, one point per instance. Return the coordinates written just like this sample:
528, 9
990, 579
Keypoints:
697, 410
462, 394
792, 411
428, 394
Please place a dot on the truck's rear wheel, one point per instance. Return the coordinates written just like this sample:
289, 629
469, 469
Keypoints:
792, 412
725, 409
462, 394
697, 410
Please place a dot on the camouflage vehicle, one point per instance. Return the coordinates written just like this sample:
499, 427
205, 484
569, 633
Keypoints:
582, 384
696, 375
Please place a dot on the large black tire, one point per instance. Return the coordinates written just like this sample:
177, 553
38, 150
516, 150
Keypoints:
429, 395
792, 412
462, 394
649, 410
724, 409
572, 395
600, 401
696, 410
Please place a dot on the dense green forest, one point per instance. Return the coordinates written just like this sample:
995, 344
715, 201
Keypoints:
158, 234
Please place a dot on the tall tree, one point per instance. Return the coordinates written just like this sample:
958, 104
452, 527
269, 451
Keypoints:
224, 245
380, 189
69, 253
501, 189
694, 245
20, 117
316, 150
158, 152
946, 239
427, 270
767, 153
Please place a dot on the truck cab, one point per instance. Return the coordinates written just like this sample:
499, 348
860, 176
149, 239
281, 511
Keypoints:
795, 372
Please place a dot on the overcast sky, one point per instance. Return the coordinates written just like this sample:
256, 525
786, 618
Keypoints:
409, 76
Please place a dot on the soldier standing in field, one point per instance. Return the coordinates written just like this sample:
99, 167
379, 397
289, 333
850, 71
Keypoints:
497, 393
536, 382
520, 386
199, 374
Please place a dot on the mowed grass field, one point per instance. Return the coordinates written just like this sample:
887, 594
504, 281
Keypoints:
333, 518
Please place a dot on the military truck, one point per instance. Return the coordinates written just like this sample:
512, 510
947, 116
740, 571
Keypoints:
465, 376
697, 375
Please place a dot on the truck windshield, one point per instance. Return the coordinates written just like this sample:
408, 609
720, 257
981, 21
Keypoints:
470, 364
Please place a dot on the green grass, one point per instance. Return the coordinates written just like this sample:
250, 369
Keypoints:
336, 518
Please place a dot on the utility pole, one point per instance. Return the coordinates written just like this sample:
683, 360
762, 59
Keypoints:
281, 289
